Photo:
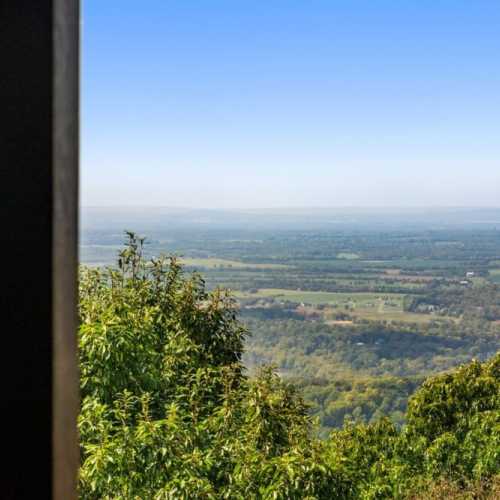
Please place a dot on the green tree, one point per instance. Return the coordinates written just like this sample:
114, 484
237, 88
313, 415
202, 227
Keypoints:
167, 411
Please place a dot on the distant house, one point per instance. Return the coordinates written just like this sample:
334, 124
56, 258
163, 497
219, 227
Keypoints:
470, 274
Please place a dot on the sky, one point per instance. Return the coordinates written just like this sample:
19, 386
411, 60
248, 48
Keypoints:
297, 103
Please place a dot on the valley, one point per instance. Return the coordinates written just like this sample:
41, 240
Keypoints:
356, 316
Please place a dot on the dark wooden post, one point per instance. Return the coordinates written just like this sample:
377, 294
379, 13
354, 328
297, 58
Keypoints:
39, 43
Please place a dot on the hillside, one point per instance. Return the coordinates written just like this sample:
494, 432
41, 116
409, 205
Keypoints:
357, 308
168, 412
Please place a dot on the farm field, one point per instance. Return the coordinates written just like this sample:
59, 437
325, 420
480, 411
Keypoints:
214, 263
347, 256
495, 275
370, 306
334, 298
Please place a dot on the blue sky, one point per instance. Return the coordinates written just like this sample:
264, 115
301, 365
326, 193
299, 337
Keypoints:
260, 104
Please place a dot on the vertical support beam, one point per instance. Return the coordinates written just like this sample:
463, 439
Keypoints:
65, 245
38, 221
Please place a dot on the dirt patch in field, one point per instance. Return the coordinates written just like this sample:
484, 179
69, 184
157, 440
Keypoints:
341, 322
393, 272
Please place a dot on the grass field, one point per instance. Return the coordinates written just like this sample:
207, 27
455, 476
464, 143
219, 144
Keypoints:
370, 306
347, 255
379, 302
479, 281
376, 301
495, 275
102, 255
381, 280
212, 263
398, 316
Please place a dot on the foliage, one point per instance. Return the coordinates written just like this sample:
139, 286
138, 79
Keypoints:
363, 370
168, 412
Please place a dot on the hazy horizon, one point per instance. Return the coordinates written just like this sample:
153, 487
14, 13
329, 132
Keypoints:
149, 220
303, 207
253, 105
